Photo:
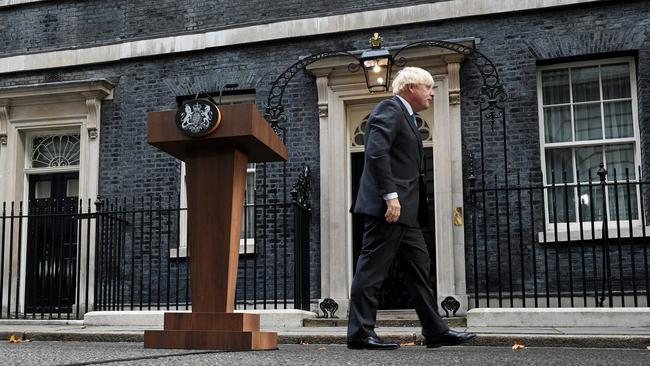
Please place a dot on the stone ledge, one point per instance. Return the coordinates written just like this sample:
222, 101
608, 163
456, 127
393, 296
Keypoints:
40, 322
559, 317
154, 318
276, 31
4, 3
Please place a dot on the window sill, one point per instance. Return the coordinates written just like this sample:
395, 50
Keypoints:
574, 233
246, 247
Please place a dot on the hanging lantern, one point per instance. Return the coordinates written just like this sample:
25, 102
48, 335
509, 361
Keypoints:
377, 64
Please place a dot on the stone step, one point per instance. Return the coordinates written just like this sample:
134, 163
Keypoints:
385, 318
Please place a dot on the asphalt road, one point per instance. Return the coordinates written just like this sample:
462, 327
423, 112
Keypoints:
89, 353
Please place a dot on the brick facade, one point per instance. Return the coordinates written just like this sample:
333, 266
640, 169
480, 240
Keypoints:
516, 43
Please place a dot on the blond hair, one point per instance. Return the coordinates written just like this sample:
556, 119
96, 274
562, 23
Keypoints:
411, 75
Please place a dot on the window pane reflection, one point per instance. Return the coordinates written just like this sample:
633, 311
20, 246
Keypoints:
555, 86
557, 124
588, 160
620, 161
618, 119
588, 125
584, 81
622, 202
591, 203
559, 166
616, 81
561, 203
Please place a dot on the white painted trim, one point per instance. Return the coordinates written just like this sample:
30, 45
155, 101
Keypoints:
39, 114
615, 230
4, 3
29, 146
308, 27
574, 227
560, 317
65, 90
337, 90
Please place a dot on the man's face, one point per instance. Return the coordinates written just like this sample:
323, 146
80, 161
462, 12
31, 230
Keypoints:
422, 96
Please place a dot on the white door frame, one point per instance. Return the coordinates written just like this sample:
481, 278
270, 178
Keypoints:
52, 107
336, 88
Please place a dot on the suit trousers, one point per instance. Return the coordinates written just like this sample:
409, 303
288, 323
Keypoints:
382, 243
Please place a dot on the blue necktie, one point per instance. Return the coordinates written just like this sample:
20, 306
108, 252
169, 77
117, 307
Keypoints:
415, 122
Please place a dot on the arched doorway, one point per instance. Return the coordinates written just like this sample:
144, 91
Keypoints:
336, 87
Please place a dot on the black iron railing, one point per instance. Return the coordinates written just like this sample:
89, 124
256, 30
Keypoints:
143, 262
63, 259
580, 244
44, 261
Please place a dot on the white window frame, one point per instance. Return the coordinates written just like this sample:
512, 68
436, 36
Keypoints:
29, 150
246, 245
574, 232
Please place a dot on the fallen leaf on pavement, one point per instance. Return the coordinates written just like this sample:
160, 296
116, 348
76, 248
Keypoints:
407, 344
14, 339
322, 349
518, 345
83, 327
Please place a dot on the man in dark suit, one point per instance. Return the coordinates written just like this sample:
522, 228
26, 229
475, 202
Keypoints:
392, 199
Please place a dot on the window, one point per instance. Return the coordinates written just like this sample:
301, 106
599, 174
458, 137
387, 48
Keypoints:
54, 151
247, 239
588, 116
247, 236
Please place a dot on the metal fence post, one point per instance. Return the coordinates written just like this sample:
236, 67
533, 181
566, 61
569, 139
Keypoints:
602, 173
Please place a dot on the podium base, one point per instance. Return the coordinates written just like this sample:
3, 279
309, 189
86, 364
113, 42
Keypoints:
211, 339
223, 331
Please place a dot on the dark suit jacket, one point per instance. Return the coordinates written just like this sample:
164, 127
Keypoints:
393, 162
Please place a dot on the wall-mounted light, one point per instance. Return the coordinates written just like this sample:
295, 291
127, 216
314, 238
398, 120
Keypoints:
377, 64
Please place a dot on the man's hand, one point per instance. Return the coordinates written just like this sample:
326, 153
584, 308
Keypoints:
393, 211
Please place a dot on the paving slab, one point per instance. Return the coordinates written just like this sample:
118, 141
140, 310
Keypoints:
512, 330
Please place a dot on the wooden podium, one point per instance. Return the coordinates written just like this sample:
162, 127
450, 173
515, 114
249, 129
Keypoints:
216, 179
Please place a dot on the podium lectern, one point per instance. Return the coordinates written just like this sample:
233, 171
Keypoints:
216, 179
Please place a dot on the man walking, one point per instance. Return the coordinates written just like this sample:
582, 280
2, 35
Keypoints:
392, 199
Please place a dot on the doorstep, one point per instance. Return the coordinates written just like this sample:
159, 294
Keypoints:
385, 318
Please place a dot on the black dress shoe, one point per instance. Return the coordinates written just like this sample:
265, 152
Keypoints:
371, 343
449, 338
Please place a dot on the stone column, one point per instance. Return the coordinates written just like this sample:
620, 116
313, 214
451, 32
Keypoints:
460, 286
450, 236
335, 284
4, 122
88, 179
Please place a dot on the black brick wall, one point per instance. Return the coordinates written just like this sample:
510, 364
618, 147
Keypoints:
66, 24
515, 42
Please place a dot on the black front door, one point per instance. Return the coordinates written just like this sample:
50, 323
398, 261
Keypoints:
393, 294
51, 242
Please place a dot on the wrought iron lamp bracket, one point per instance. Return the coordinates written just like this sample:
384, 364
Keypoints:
300, 192
274, 111
491, 94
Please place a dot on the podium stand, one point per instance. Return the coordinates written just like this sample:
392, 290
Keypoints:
216, 179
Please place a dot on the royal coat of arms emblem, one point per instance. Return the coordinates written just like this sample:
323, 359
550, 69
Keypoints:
197, 117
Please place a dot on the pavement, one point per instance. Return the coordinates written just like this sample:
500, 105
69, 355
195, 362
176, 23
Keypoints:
581, 337
127, 354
